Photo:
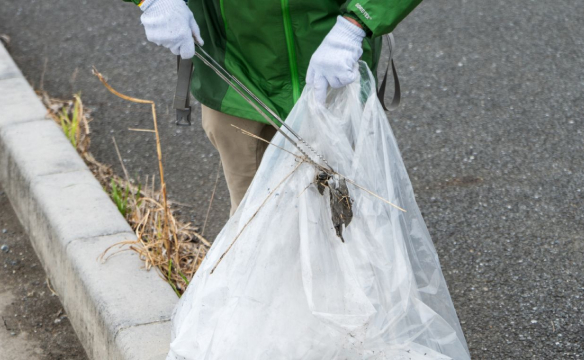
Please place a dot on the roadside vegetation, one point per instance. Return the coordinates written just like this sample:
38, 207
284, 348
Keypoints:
164, 241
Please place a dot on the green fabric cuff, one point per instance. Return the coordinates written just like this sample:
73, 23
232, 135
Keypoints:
374, 15
137, 2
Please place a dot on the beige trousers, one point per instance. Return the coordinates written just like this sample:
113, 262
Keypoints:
240, 154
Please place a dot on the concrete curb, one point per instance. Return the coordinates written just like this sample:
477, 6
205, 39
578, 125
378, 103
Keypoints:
118, 310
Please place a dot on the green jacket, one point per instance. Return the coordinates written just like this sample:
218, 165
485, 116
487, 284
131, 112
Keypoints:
267, 44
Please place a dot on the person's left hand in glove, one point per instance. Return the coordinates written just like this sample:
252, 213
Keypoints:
334, 62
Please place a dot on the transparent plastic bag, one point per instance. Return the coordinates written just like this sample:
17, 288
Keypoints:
289, 288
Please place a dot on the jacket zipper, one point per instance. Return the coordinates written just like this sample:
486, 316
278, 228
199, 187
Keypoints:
291, 50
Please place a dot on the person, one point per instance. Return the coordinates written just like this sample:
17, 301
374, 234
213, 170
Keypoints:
275, 48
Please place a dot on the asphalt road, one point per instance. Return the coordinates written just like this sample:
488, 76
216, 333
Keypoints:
491, 129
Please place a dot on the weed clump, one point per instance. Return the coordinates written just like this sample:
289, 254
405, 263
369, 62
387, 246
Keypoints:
164, 241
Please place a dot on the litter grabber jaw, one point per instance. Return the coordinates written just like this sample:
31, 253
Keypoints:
340, 201
184, 69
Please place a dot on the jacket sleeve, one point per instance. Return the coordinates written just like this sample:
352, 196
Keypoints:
133, 1
380, 16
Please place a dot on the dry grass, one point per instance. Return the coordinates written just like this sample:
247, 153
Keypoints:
164, 241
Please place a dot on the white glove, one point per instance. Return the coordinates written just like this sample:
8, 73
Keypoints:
170, 23
334, 62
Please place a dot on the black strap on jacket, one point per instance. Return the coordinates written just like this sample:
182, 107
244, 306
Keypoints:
184, 69
397, 90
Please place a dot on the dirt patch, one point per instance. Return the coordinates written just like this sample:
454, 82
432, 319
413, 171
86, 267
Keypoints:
33, 323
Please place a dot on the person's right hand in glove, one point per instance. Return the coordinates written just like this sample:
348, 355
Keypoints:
170, 23
334, 63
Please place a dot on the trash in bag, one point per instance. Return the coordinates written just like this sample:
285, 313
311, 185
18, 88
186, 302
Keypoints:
323, 265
